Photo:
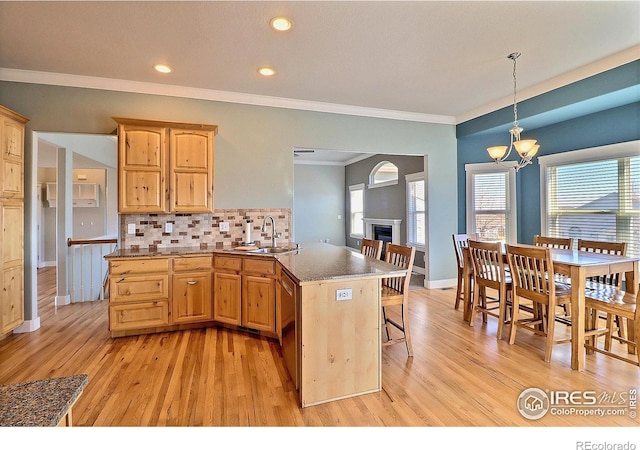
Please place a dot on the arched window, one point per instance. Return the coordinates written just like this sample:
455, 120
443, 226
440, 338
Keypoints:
383, 174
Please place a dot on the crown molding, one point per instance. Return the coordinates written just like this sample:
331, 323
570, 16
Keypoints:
306, 162
138, 87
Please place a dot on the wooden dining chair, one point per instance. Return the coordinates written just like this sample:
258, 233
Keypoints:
461, 241
371, 248
552, 242
489, 272
614, 302
606, 281
534, 279
562, 243
395, 294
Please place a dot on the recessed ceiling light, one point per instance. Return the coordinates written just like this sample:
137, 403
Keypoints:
163, 68
281, 24
266, 71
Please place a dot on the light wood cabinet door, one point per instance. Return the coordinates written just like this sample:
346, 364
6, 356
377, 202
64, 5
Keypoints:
191, 297
12, 161
142, 169
11, 221
227, 297
191, 170
11, 299
11, 265
258, 302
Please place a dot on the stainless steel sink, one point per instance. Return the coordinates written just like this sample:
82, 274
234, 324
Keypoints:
274, 250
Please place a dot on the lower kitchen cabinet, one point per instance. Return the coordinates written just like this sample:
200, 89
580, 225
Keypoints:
244, 292
191, 291
138, 294
259, 294
227, 289
11, 304
163, 294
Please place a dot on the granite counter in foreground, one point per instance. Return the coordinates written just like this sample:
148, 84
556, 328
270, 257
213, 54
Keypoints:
39, 403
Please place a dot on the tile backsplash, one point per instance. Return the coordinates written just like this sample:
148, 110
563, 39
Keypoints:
203, 230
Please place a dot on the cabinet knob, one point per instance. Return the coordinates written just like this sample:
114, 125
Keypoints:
192, 282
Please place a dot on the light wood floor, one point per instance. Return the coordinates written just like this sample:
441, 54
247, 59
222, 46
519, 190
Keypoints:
459, 376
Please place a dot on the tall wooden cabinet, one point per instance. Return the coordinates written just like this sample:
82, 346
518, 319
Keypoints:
11, 220
165, 167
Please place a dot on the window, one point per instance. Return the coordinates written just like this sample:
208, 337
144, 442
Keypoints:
416, 211
356, 208
593, 194
383, 174
491, 202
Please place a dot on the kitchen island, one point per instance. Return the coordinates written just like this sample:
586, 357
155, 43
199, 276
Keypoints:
336, 349
325, 307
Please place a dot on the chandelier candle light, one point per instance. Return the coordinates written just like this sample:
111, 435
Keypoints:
526, 148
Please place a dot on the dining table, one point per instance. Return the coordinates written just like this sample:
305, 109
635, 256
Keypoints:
577, 266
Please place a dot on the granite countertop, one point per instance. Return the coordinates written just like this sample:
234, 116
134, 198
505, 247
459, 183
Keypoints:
312, 262
39, 403
317, 262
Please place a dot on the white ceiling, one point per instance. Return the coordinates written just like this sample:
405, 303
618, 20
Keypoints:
442, 62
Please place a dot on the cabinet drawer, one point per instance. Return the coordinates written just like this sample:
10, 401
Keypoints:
139, 265
139, 288
260, 266
139, 315
192, 263
227, 263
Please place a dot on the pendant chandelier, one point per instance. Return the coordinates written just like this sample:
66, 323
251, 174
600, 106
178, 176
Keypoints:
526, 148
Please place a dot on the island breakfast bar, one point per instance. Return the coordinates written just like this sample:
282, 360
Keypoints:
338, 351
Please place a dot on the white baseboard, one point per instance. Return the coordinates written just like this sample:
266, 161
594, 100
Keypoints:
28, 326
47, 264
439, 284
62, 300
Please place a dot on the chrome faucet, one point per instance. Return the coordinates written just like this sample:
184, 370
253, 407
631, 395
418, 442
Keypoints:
274, 233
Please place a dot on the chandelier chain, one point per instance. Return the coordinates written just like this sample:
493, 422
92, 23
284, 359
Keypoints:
515, 102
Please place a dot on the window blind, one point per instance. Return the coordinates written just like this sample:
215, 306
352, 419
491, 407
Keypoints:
490, 205
356, 206
596, 200
416, 220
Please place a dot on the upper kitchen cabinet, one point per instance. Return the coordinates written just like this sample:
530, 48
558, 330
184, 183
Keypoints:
165, 167
12, 161
191, 185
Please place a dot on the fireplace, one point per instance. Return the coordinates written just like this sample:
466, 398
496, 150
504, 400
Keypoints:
386, 230
383, 233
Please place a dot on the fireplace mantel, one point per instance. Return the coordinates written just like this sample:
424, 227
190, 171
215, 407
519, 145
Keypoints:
394, 223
